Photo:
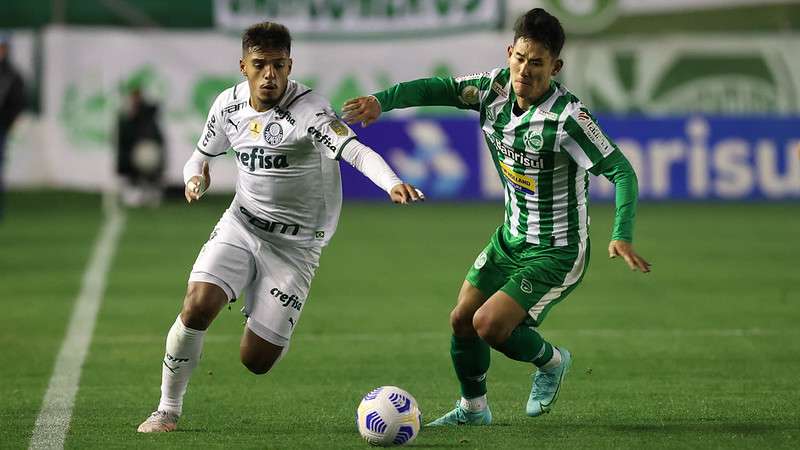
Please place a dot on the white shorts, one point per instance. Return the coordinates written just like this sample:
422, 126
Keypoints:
274, 279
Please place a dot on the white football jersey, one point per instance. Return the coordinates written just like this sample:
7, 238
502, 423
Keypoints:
289, 188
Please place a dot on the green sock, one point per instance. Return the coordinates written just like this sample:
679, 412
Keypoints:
471, 360
527, 345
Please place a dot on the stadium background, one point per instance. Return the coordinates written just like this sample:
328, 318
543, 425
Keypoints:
703, 96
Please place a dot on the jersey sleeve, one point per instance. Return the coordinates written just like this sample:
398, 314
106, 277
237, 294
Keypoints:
583, 139
329, 134
213, 140
467, 92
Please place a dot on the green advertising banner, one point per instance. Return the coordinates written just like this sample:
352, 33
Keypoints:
88, 72
362, 18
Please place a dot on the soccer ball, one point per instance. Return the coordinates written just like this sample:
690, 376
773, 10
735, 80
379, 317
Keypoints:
388, 416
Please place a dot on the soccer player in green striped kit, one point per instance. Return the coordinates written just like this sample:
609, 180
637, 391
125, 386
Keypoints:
543, 142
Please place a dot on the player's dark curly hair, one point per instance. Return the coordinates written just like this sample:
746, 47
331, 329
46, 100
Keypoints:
540, 26
266, 35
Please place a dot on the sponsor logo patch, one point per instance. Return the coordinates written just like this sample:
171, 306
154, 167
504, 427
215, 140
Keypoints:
520, 182
499, 90
593, 132
549, 115
533, 162
255, 128
339, 128
469, 95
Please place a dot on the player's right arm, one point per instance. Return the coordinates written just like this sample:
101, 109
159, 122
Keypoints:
213, 142
463, 92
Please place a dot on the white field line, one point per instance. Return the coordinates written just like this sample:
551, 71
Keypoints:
54, 417
131, 339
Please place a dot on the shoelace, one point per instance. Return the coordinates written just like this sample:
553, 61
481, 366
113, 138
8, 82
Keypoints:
159, 415
461, 415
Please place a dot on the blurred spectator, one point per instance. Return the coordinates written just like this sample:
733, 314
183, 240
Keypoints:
12, 101
140, 152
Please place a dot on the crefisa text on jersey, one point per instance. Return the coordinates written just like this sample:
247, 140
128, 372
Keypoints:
322, 138
256, 159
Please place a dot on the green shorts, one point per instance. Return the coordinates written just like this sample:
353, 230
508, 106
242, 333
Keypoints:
536, 277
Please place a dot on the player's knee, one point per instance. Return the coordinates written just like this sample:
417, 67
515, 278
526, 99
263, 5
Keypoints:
201, 305
461, 322
258, 365
489, 328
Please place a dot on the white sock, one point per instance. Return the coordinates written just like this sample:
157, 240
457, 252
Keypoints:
554, 362
474, 404
184, 346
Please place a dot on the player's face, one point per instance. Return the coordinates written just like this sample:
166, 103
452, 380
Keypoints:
532, 67
267, 72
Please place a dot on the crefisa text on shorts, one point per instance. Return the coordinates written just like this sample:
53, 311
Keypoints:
291, 301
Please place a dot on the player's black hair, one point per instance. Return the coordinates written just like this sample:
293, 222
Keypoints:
540, 26
266, 35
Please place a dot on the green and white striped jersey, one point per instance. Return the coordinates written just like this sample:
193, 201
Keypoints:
542, 156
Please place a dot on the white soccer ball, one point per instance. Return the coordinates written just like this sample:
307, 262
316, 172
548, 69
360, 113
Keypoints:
388, 416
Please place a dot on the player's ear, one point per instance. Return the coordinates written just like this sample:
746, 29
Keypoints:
510, 50
559, 64
290, 66
241, 67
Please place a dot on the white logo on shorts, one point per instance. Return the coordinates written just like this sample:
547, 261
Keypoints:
481, 261
526, 287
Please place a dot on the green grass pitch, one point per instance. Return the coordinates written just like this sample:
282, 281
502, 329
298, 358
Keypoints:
704, 352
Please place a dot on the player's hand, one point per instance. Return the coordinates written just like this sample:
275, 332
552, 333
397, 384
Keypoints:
625, 250
404, 193
362, 109
198, 185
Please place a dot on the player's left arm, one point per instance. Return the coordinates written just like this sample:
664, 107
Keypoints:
374, 167
617, 169
593, 150
336, 140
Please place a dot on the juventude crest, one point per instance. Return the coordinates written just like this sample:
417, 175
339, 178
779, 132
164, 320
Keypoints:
481, 261
533, 140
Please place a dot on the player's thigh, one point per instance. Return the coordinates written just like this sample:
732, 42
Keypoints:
227, 258
547, 279
279, 293
223, 269
488, 274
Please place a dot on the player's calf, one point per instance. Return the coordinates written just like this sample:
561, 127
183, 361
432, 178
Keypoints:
257, 354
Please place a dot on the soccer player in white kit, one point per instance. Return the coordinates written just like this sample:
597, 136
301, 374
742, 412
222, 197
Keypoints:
287, 142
